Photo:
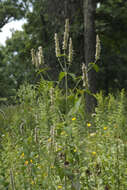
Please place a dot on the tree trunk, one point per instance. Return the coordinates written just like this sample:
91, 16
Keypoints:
90, 50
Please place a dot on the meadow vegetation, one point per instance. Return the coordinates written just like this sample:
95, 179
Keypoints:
48, 142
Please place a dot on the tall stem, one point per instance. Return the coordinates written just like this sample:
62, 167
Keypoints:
66, 96
12, 179
66, 86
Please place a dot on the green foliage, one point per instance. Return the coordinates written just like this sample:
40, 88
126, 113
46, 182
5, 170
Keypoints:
42, 147
46, 140
10, 10
111, 25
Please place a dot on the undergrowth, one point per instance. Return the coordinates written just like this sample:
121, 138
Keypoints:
41, 149
48, 142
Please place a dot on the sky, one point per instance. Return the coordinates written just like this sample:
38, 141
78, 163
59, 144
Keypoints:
6, 30
16, 25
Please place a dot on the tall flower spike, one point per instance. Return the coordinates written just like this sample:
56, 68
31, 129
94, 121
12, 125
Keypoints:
98, 48
33, 56
40, 56
70, 56
85, 76
57, 46
36, 60
66, 34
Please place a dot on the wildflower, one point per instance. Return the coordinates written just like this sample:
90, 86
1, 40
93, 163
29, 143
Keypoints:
57, 47
88, 124
105, 128
63, 133
49, 140
22, 155
33, 56
31, 161
40, 56
26, 162
98, 48
59, 186
92, 134
70, 56
66, 34
74, 118
93, 153
85, 76
75, 150
32, 182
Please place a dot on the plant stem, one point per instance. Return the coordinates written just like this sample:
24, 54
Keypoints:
12, 179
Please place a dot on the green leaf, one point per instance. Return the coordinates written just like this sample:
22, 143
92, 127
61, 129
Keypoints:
76, 107
43, 70
94, 66
88, 91
62, 75
72, 75
62, 55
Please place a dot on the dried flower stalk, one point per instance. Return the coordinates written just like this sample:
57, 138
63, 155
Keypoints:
66, 34
57, 46
70, 56
33, 56
85, 76
98, 48
40, 56
37, 57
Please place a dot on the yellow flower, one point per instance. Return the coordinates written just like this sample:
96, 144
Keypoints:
49, 140
75, 150
93, 153
26, 162
32, 182
88, 124
74, 118
105, 128
31, 161
59, 186
63, 133
22, 155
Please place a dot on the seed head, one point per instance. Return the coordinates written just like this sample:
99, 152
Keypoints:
70, 56
98, 48
84, 76
57, 46
33, 56
66, 34
40, 56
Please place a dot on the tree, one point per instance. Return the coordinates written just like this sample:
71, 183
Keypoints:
16, 65
47, 18
90, 50
11, 9
111, 24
